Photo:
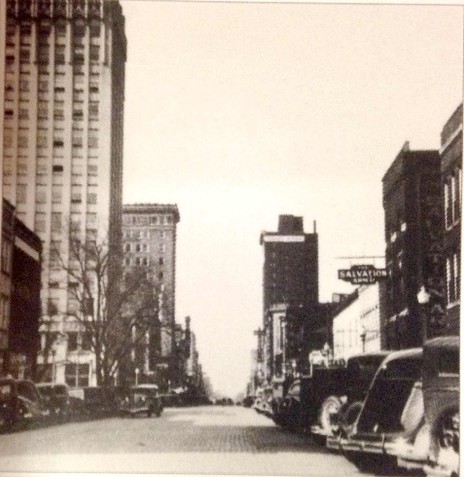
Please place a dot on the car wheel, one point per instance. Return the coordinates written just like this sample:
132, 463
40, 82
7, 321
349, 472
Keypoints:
447, 433
350, 415
329, 407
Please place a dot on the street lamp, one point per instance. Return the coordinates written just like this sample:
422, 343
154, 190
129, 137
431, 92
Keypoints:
423, 298
363, 338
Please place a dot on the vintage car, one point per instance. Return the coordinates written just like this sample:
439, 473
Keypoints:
286, 411
441, 402
392, 412
56, 399
142, 399
20, 404
340, 411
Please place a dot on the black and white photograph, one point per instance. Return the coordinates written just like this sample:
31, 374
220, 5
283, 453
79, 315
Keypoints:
230, 237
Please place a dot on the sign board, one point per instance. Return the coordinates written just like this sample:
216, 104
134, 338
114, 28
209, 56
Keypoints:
362, 274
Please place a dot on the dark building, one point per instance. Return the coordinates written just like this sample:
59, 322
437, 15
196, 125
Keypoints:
20, 314
451, 177
291, 272
292, 318
413, 235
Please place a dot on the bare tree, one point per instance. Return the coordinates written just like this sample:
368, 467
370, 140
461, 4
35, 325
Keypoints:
113, 309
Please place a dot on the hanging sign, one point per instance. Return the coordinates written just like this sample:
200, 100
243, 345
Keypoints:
362, 274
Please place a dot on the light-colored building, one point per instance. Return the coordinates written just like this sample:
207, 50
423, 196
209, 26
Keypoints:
149, 241
62, 148
358, 326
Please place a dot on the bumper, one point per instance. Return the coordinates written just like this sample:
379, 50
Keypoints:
334, 443
437, 471
360, 445
319, 431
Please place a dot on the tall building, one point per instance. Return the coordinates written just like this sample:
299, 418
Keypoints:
63, 133
451, 176
290, 271
413, 235
149, 240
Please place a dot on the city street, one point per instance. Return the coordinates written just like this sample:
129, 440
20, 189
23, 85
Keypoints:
213, 440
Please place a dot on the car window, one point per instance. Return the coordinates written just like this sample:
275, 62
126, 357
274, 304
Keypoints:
448, 363
60, 389
28, 391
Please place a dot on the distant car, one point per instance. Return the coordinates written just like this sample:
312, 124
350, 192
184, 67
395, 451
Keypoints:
248, 401
20, 403
441, 402
142, 399
56, 399
391, 412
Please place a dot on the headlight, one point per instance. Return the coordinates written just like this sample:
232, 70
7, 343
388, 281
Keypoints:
422, 442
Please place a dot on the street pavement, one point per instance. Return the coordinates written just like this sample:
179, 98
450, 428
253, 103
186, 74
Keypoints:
197, 440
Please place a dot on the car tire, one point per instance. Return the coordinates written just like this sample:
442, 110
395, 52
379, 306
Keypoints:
350, 414
331, 405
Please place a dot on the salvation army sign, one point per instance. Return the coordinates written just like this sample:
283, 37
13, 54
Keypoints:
362, 274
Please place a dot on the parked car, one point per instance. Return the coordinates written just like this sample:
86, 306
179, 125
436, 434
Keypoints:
441, 402
360, 370
142, 399
287, 410
93, 402
56, 399
392, 411
20, 404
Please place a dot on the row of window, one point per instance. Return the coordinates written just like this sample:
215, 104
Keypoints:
146, 220
129, 261
138, 234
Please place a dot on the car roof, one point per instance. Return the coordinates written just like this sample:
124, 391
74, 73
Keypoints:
402, 354
443, 342
145, 386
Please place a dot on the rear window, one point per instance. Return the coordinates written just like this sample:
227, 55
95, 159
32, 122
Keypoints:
448, 363
402, 369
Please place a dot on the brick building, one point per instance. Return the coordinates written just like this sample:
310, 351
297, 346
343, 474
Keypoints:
413, 234
451, 177
20, 297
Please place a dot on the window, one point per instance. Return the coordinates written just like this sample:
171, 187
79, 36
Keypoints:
161, 260
160, 275
453, 276
146, 261
92, 198
7, 250
137, 247
56, 221
128, 247
128, 261
77, 375
57, 168
21, 193
4, 311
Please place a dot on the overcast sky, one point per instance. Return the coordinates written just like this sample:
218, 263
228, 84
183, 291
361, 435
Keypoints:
241, 112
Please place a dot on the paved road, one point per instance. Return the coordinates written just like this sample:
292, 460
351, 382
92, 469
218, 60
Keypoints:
203, 440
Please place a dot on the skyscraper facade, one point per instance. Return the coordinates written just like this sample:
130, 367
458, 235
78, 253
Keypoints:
149, 241
63, 132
